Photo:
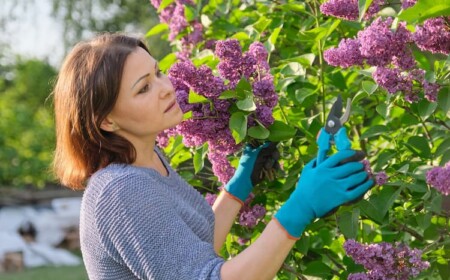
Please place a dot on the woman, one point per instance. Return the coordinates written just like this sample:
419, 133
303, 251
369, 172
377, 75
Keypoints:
139, 219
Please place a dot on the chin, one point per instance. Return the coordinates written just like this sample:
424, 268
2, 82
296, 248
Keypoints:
177, 119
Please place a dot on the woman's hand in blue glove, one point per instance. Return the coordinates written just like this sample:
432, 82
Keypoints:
251, 165
321, 189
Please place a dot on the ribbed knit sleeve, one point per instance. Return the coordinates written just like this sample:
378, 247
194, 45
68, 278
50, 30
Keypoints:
140, 228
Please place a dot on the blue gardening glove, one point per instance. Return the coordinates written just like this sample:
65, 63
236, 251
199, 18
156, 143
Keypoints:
321, 189
251, 164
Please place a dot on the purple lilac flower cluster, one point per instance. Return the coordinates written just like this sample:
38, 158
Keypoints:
174, 16
209, 121
348, 9
434, 35
439, 178
408, 3
211, 198
385, 260
378, 45
380, 178
249, 215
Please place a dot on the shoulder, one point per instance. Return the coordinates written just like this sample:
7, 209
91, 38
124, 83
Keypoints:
123, 182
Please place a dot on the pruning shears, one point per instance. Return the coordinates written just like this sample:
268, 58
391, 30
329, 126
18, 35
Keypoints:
334, 131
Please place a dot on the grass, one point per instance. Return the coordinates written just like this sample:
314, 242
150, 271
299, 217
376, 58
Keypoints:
48, 273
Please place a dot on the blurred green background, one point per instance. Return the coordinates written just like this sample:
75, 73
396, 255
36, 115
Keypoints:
35, 35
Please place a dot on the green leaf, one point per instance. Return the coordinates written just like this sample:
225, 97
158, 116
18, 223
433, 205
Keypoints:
241, 36
426, 108
369, 208
377, 206
348, 223
374, 131
293, 69
238, 126
445, 157
363, 5
443, 147
228, 94
444, 100
314, 34
293, 7
382, 109
270, 43
189, 13
167, 61
262, 24
196, 98
419, 145
164, 4
199, 158
369, 87
243, 88
317, 268
246, 104
303, 93
425, 9
279, 131
258, 132
205, 57
423, 220
302, 245
305, 59
157, 29
187, 115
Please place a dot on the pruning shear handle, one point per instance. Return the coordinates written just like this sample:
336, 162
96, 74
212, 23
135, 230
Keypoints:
334, 131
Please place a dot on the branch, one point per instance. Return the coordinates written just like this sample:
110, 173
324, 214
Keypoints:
292, 270
414, 233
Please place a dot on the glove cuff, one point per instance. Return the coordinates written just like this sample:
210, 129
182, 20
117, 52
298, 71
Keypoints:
285, 231
225, 192
239, 187
294, 218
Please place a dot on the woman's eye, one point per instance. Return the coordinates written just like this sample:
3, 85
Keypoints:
144, 89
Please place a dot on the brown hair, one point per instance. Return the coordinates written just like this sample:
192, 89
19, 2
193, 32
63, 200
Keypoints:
85, 93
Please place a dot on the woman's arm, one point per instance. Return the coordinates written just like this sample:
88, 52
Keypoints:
225, 210
320, 189
263, 258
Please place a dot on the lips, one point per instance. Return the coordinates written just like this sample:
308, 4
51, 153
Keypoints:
170, 107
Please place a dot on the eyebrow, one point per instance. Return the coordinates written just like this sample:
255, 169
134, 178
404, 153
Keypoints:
145, 76
138, 80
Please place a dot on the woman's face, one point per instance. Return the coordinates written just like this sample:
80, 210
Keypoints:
146, 104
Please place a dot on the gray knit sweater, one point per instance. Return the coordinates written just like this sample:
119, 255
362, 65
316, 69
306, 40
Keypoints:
138, 224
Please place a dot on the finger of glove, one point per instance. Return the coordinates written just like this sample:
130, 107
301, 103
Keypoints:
360, 190
335, 159
344, 171
358, 156
249, 150
270, 160
269, 148
354, 180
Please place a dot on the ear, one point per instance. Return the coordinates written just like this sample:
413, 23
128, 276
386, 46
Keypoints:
109, 125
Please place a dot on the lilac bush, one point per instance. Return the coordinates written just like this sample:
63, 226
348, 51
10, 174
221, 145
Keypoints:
439, 178
250, 215
404, 54
385, 260
434, 35
348, 9
390, 51
380, 178
174, 16
210, 120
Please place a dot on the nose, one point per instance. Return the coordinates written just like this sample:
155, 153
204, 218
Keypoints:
167, 88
